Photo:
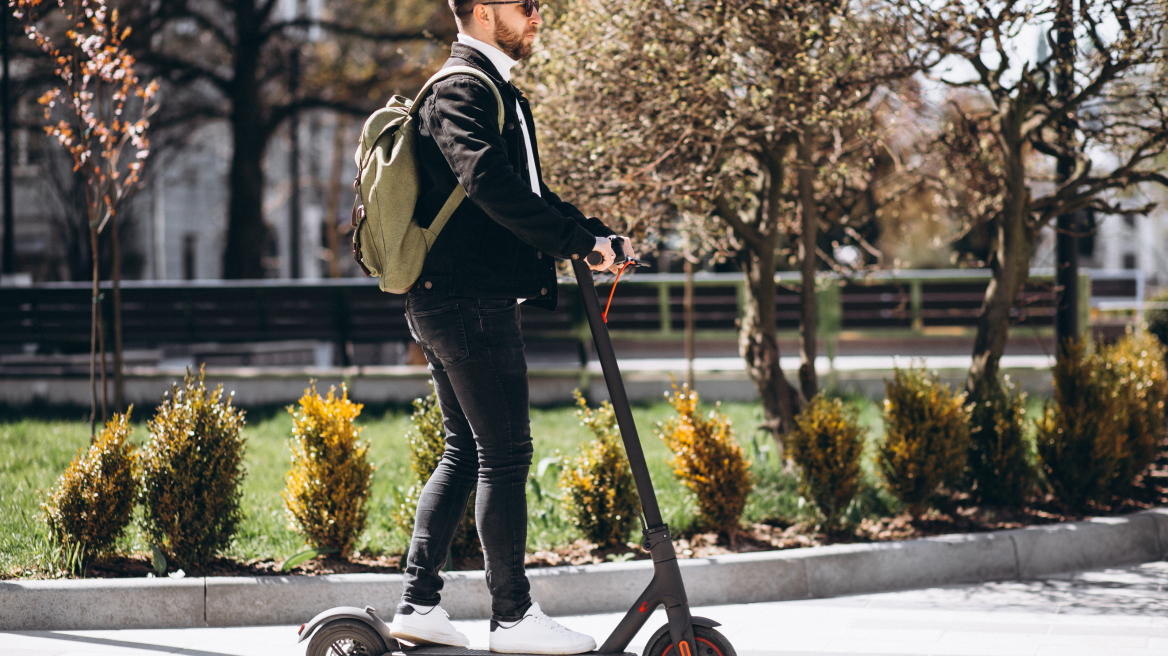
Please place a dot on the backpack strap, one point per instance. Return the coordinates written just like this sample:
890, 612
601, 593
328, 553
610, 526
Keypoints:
391, 127
459, 192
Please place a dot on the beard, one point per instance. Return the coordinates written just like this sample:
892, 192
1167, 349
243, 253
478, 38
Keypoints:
513, 44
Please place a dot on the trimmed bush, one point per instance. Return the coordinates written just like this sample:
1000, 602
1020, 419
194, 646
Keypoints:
94, 499
192, 472
827, 444
427, 440
1000, 472
1134, 367
597, 486
328, 486
926, 437
708, 460
1079, 443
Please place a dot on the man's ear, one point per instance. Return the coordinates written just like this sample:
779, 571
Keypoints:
483, 17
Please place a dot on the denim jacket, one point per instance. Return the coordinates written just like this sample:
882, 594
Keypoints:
502, 240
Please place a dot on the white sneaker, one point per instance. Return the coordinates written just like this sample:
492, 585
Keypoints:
425, 625
537, 633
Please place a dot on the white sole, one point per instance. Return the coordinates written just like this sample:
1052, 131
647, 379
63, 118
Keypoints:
421, 637
542, 650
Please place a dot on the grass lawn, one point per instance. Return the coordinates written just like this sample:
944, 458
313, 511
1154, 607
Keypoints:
34, 452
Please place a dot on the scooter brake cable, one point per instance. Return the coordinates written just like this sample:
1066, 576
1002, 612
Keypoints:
614, 282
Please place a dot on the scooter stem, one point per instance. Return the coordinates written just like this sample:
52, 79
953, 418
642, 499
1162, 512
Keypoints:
616, 392
666, 588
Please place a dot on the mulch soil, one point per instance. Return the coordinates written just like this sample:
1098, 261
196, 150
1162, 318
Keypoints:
952, 514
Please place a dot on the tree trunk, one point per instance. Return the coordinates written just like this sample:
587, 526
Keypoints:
758, 342
246, 234
1066, 321
336, 171
688, 302
119, 387
1013, 249
808, 320
94, 319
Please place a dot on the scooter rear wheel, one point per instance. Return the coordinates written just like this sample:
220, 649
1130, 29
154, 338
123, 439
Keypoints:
710, 643
346, 637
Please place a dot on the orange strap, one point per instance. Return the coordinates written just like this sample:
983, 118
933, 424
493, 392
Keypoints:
614, 282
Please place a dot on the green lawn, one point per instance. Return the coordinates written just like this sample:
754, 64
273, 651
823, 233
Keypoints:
33, 452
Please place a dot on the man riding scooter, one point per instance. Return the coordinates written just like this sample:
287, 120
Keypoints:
496, 251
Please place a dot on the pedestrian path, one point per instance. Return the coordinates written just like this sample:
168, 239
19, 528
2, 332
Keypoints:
1120, 612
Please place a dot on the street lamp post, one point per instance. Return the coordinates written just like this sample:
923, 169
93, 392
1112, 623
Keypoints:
294, 163
9, 221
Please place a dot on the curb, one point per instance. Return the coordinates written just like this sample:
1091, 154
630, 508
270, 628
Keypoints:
809, 573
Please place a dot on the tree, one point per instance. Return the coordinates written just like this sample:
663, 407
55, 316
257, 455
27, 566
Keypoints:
1003, 141
741, 124
230, 60
93, 112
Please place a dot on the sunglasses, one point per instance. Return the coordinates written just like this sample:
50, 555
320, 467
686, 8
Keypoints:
529, 6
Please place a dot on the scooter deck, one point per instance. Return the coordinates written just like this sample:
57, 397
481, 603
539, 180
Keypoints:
436, 650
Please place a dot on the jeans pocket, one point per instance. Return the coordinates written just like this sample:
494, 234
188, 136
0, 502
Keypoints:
441, 330
496, 305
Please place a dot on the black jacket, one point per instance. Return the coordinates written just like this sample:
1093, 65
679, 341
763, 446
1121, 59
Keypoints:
500, 241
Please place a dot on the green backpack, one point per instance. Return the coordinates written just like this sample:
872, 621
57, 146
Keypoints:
387, 242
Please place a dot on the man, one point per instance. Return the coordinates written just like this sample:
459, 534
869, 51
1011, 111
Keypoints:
497, 249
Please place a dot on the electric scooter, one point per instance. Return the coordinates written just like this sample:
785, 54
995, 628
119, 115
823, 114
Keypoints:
348, 630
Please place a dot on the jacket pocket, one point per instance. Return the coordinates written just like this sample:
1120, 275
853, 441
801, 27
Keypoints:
442, 331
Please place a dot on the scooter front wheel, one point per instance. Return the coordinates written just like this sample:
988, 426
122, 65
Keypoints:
346, 637
710, 643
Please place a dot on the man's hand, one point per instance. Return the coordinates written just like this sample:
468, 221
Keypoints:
604, 247
630, 253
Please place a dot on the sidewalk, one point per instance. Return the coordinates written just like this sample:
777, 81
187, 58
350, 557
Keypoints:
1114, 612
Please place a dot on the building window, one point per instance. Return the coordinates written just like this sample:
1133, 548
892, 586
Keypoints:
189, 265
1130, 261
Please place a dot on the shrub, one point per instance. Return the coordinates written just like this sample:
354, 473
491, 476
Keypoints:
597, 486
1134, 367
1079, 443
827, 443
1000, 472
192, 470
926, 437
328, 485
708, 460
94, 499
427, 440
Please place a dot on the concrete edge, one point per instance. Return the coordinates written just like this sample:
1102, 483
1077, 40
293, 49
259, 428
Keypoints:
814, 572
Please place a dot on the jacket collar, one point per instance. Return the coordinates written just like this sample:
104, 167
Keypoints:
502, 62
472, 57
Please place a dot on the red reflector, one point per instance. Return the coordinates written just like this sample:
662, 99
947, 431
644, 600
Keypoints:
644, 606
301, 628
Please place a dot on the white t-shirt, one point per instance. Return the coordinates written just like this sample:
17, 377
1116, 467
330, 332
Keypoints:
504, 64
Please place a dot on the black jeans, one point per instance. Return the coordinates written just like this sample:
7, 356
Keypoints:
475, 351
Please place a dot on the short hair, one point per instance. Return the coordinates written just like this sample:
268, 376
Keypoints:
462, 8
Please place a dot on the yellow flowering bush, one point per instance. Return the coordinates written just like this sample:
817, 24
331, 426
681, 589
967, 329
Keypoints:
327, 488
427, 440
192, 473
827, 443
1000, 472
1079, 442
94, 499
926, 438
708, 460
597, 486
1135, 370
